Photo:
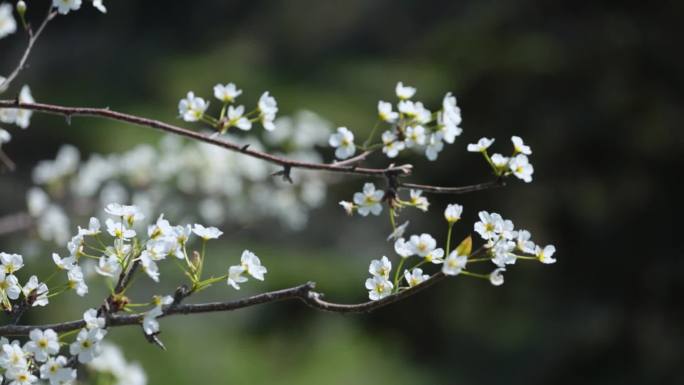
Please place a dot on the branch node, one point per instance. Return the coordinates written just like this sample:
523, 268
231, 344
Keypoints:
154, 339
285, 173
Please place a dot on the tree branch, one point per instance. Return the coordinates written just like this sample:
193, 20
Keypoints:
302, 293
140, 121
499, 182
14, 222
33, 37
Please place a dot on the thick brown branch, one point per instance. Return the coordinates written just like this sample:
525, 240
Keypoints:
140, 121
304, 293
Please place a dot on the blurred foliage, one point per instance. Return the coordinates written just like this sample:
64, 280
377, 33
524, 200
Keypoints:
592, 86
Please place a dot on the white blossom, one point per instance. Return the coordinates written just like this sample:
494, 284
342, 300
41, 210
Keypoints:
380, 267
77, 281
545, 254
415, 136
99, 5
9, 285
519, 146
13, 357
500, 161
268, 108
66, 6
489, 225
391, 144
496, 278
235, 277
119, 230
191, 108
415, 277
42, 344
385, 112
11, 263
206, 233
92, 321
343, 142
87, 344
93, 228
7, 23
252, 265
378, 287
150, 323
453, 212
418, 200
422, 245
503, 250
523, 242
398, 232
481, 146
108, 267
404, 92
226, 93
454, 263
369, 200
150, 267
434, 147
521, 168
56, 371
347, 206
403, 248
37, 289
130, 214
237, 119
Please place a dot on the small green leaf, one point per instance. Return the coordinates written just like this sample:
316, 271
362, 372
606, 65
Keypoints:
466, 247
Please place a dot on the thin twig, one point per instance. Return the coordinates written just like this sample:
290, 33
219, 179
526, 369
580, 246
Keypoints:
68, 112
33, 37
302, 293
454, 190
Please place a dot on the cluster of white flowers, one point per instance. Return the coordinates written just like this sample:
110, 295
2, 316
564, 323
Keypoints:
504, 241
33, 292
517, 164
66, 6
369, 201
379, 285
411, 126
39, 356
194, 109
223, 186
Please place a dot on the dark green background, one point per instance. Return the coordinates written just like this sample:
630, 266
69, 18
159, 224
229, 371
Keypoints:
593, 87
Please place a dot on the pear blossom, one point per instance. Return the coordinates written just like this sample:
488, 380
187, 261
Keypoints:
378, 287
447, 126
418, 200
415, 277
252, 265
99, 5
11, 263
13, 357
404, 92
66, 6
150, 267
391, 144
415, 136
76, 281
422, 244
519, 146
92, 321
435, 256
161, 228
454, 263
130, 214
421, 114
268, 108
385, 112
9, 285
496, 278
380, 267
343, 142
150, 323
43, 344
503, 250
191, 108
226, 93
35, 289
87, 344
489, 225
119, 230
237, 119
22, 117
206, 233
22, 376
368, 201
481, 146
7, 23
521, 168
56, 371
235, 277
108, 267
545, 254
434, 147
453, 212
347, 206
523, 242
5, 136
500, 161
403, 248
93, 228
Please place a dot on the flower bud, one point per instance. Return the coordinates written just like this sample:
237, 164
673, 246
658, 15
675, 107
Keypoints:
21, 8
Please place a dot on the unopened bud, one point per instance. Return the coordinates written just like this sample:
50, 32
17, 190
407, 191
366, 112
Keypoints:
21, 8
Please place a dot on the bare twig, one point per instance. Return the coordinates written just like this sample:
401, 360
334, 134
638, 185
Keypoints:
14, 222
302, 293
33, 37
454, 190
68, 112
